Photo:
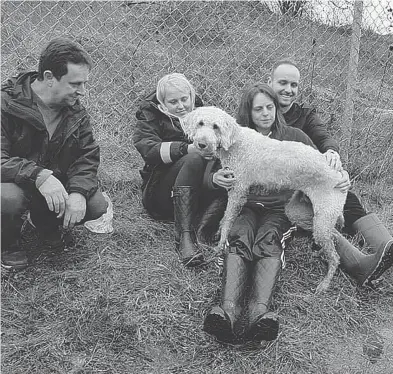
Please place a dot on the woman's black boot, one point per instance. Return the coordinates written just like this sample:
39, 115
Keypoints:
185, 204
221, 320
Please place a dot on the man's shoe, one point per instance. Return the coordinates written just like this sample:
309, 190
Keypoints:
14, 260
53, 240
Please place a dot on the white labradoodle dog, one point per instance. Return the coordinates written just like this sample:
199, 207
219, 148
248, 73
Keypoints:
258, 160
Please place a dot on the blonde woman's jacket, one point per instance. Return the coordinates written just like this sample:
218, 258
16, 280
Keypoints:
161, 141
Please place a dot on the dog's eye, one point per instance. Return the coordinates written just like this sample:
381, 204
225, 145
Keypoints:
215, 126
200, 123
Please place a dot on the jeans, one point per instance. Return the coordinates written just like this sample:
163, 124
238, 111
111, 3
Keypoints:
15, 201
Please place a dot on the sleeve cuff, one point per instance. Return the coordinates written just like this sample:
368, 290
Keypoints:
165, 152
42, 176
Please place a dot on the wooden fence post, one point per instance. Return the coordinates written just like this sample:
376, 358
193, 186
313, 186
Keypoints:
352, 79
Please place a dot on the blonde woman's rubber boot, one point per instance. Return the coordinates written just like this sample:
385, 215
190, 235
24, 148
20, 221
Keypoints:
184, 205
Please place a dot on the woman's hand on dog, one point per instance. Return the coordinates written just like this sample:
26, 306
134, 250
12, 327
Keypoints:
224, 178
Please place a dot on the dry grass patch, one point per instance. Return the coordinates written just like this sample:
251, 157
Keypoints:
122, 303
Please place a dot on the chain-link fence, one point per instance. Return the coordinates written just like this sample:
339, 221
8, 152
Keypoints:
220, 46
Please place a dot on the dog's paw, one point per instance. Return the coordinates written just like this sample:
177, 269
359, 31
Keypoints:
322, 287
218, 250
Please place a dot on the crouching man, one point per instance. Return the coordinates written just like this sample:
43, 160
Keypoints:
49, 158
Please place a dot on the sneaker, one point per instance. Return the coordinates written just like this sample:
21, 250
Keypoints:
14, 259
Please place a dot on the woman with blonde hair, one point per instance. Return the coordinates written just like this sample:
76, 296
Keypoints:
174, 175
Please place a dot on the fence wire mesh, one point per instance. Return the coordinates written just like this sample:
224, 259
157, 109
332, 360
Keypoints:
221, 46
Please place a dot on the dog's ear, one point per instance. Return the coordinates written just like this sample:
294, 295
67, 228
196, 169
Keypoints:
228, 131
188, 124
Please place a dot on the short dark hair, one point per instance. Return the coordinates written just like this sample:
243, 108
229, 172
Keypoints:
58, 53
244, 116
287, 61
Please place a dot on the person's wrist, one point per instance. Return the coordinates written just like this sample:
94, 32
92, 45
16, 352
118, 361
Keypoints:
42, 176
77, 195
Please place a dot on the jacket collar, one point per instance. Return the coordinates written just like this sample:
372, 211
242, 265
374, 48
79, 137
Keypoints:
19, 100
293, 114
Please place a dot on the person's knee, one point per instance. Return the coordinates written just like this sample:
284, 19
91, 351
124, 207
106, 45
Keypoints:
14, 200
96, 206
268, 245
194, 161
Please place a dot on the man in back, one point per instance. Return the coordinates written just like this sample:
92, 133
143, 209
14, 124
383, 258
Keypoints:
285, 79
49, 158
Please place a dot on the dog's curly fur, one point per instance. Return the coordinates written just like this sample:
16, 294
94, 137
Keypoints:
258, 160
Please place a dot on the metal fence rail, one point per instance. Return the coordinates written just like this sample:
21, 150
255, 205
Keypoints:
219, 45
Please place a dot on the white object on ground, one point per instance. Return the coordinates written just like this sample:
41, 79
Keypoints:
103, 224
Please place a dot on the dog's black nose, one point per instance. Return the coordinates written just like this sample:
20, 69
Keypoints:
201, 145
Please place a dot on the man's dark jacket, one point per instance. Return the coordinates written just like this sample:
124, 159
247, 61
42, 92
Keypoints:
306, 118
72, 153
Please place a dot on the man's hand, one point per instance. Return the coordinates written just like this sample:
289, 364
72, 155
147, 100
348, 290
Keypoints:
55, 195
333, 160
344, 183
224, 178
75, 210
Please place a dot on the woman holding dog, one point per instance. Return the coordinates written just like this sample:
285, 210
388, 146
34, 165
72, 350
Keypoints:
175, 175
255, 256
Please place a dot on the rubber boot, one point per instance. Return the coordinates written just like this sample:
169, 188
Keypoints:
184, 202
263, 324
377, 237
221, 320
358, 265
210, 220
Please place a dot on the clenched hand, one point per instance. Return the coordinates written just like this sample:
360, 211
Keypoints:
224, 178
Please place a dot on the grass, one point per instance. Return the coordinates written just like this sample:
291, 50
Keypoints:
121, 302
